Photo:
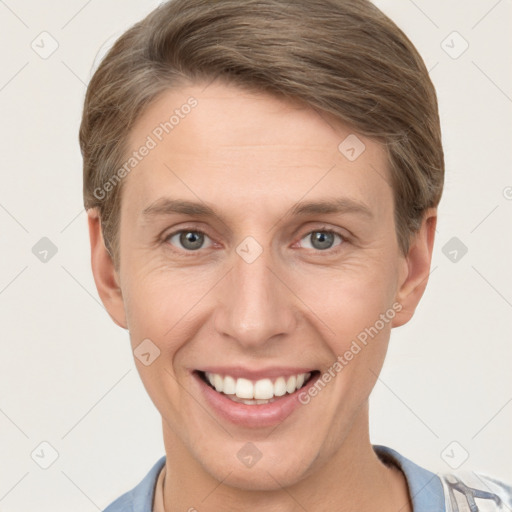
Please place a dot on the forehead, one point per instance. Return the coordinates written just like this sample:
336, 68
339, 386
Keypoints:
218, 141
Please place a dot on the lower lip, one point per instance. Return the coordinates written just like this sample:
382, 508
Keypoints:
253, 416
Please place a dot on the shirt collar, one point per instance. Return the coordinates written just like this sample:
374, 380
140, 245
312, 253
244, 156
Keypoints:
425, 487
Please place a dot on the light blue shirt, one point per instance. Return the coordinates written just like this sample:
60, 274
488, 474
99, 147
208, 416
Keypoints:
429, 492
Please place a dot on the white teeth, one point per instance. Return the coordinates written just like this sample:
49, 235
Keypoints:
234, 398
218, 382
229, 385
291, 384
280, 387
262, 391
244, 388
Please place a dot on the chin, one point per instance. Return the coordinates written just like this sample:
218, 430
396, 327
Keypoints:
268, 477
271, 472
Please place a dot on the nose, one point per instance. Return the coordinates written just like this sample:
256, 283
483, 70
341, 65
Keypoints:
255, 305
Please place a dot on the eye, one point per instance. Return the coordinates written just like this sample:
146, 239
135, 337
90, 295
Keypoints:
322, 239
190, 240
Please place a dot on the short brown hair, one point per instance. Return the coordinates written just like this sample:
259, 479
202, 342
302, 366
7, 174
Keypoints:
344, 57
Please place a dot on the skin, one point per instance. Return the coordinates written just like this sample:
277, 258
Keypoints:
252, 157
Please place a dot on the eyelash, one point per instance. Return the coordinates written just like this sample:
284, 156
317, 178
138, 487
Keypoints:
186, 253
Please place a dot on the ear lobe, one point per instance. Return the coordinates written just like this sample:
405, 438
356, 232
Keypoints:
105, 275
416, 268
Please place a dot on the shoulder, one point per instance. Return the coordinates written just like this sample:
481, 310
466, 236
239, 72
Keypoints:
467, 490
140, 498
459, 491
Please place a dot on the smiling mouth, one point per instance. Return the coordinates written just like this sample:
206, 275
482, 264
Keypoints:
259, 392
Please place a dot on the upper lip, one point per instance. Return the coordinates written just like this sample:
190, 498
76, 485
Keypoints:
255, 374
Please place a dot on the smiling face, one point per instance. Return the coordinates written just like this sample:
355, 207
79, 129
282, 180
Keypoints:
254, 254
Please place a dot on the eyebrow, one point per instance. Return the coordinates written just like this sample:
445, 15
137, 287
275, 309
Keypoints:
169, 206
339, 205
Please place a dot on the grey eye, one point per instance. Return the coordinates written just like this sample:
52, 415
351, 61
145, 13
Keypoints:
321, 240
188, 239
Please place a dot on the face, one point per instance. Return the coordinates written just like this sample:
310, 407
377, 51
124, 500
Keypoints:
257, 259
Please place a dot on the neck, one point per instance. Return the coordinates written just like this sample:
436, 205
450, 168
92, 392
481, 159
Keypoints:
351, 477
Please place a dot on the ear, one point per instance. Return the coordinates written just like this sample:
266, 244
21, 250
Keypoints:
105, 275
416, 268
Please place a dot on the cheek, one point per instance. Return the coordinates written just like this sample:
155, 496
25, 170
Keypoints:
352, 298
358, 305
159, 307
157, 303
163, 304
169, 308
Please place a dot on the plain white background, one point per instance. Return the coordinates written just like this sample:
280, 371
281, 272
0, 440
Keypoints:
67, 375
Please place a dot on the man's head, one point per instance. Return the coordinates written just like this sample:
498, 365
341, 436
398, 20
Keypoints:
254, 115
342, 57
